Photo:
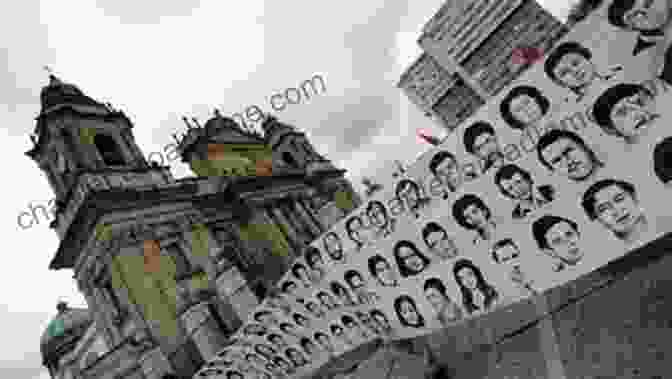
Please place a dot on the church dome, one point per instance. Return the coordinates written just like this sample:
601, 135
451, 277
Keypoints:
58, 92
64, 329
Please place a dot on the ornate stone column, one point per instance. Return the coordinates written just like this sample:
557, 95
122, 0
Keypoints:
304, 217
276, 215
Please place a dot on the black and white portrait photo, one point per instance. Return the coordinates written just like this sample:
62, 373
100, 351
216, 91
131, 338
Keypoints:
354, 329
324, 341
344, 295
506, 253
382, 271
410, 261
266, 317
283, 365
368, 323
570, 65
382, 321
438, 242
359, 287
309, 347
408, 313
315, 262
302, 321
327, 300
651, 20
358, 233
559, 238
471, 213
334, 247
297, 358
410, 194
662, 160
446, 310
300, 272
445, 167
566, 154
276, 299
338, 332
277, 341
625, 111
383, 223
517, 184
478, 295
524, 106
481, 141
315, 309
290, 329
615, 205
254, 329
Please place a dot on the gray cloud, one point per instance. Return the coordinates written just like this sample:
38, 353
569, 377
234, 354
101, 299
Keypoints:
146, 12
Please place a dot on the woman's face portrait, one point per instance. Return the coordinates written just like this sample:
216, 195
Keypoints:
476, 216
517, 187
435, 298
385, 274
412, 260
408, 312
468, 278
574, 70
356, 282
359, 233
525, 109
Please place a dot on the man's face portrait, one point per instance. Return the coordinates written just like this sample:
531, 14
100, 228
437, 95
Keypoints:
517, 186
448, 171
563, 243
439, 242
569, 159
507, 254
617, 209
631, 115
486, 146
476, 216
525, 109
377, 215
647, 15
573, 70
333, 246
385, 273
410, 195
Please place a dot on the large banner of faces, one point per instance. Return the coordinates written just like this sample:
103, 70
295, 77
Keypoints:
564, 171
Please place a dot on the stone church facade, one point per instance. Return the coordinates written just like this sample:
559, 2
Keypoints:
111, 204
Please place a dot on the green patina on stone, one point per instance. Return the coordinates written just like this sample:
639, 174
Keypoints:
344, 200
56, 328
199, 240
103, 232
87, 135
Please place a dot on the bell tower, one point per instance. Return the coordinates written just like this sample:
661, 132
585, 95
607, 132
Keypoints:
82, 144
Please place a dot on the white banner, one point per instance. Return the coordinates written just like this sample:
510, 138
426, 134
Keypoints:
559, 174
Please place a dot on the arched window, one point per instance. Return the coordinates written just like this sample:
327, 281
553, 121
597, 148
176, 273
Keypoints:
289, 159
109, 150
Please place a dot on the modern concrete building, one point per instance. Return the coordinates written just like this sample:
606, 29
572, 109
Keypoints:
116, 214
470, 52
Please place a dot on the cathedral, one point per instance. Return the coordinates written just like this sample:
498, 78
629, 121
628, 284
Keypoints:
170, 268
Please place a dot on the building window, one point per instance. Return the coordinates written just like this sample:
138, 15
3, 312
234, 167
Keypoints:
109, 150
289, 159
183, 267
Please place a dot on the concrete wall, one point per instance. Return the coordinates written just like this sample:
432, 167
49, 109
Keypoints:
613, 323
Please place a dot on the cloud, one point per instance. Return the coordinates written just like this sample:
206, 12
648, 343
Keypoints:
146, 12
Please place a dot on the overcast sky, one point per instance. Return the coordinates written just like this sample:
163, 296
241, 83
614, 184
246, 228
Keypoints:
160, 60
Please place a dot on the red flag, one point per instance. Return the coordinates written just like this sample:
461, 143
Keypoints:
429, 138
